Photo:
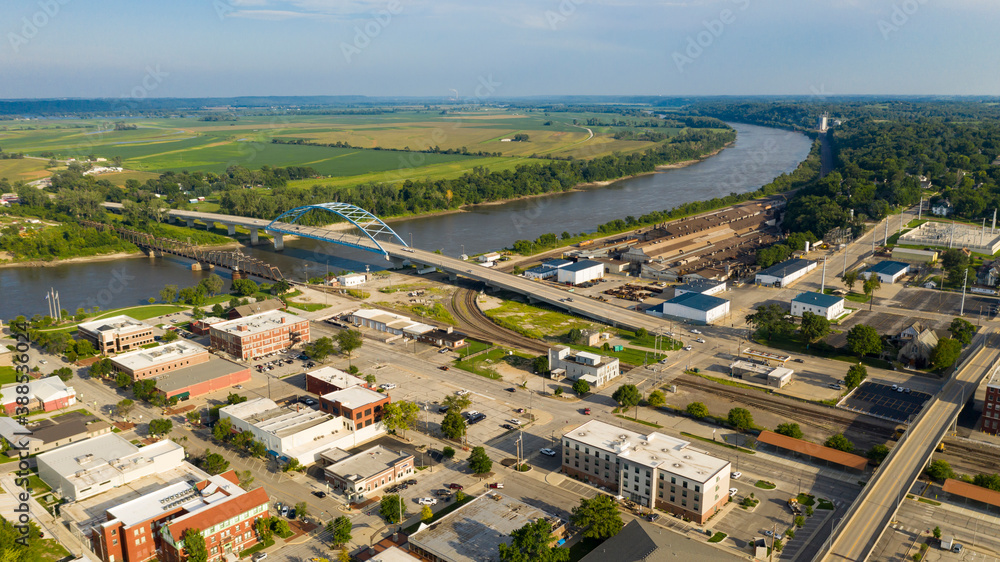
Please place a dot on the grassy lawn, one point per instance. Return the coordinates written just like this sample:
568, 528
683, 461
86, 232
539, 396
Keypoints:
627, 355
482, 365
643, 422
50, 549
765, 485
437, 312
78, 411
718, 537
7, 375
852, 296
729, 382
827, 504
536, 321
308, 306
257, 547
806, 499
474, 346
649, 340
37, 486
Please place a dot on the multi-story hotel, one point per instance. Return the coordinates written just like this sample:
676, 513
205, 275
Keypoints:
116, 334
260, 334
653, 470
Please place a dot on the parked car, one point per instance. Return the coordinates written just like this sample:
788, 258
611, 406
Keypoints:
444, 367
700, 340
291, 513
834, 386
688, 348
320, 495
443, 350
586, 411
455, 487
284, 511
462, 392
547, 452
695, 331
733, 492
653, 517
508, 427
511, 389
387, 386
257, 557
736, 475
798, 360
410, 482
442, 409
427, 501
441, 492
768, 532
515, 421
496, 485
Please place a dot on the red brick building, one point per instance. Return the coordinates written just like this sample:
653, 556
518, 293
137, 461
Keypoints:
215, 374
152, 525
260, 334
156, 361
327, 379
362, 406
991, 408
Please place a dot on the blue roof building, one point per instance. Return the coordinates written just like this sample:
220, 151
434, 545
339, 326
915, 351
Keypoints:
830, 307
888, 271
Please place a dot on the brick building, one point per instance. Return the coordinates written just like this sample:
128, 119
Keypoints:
211, 376
990, 422
648, 468
147, 363
47, 394
361, 406
260, 334
367, 471
327, 380
152, 526
116, 334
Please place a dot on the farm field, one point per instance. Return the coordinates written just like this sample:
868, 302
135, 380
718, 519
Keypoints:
159, 145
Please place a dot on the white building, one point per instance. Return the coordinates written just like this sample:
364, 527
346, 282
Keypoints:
701, 286
697, 307
546, 270
382, 321
887, 271
580, 272
942, 208
352, 279
593, 368
491, 257
785, 273
298, 431
830, 307
648, 468
81, 470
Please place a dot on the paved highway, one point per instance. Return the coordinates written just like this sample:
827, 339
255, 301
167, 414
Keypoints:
875, 508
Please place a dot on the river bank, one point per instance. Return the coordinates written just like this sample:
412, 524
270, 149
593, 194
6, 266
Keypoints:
100, 257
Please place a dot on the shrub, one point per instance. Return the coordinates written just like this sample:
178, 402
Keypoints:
448, 452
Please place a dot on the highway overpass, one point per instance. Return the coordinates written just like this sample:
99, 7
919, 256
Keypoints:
854, 538
398, 254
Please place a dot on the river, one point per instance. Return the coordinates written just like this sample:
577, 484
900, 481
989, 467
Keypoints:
759, 155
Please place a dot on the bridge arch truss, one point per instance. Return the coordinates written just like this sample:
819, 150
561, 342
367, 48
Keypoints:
366, 223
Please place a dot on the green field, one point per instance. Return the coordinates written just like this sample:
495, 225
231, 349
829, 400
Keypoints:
162, 144
535, 321
7, 375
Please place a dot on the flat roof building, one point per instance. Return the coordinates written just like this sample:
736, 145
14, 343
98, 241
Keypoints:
595, 369
147, 363
651, 470
204, 378
116, 334
260, 334
327, 379
85, 469
144, 527
359, 405
830, 307
702, 286
358, 475
909, 254
785, 273
580, 272
476, 530
887, 271
697, 307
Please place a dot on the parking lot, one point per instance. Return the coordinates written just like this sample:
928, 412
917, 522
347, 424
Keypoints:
886, 401
884, 323
941, 302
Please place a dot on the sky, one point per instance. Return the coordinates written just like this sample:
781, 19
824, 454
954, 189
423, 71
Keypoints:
478, 49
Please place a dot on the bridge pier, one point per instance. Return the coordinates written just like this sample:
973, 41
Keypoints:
253, 236
396, 263
198, 266
209, 225
279, 241
190, 223
231, 228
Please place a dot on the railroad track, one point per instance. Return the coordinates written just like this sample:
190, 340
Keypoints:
478, 325
803, 412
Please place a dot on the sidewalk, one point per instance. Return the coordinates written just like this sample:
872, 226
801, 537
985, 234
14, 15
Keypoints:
51, 526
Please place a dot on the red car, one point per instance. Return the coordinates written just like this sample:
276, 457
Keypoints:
586, 411
496, 485
456, 486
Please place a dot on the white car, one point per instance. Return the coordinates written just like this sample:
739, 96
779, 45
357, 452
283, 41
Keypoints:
733, 492
700, 340
387, 386
736, 475
695, 331
688, 348
548, 452
515, 421
427, 501
462, 392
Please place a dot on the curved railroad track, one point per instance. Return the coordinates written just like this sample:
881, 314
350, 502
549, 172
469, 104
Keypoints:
478, 325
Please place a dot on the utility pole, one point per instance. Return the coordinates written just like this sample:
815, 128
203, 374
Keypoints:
845, 259
920, 209
885, 240
822, 284
964, 281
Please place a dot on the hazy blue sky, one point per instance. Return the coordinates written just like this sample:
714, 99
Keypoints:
184, 48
